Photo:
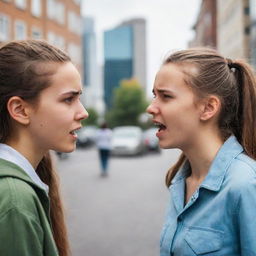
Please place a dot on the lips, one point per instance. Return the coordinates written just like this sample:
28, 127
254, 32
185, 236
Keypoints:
73, 132
161, 126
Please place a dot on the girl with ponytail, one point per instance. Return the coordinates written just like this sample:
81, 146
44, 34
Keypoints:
205, 105
40, 110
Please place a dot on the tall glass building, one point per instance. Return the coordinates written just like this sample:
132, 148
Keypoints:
124, 56
118, 55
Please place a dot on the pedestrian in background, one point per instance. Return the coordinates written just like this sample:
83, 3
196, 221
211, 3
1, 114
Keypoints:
205, 105
40, 110
103, 142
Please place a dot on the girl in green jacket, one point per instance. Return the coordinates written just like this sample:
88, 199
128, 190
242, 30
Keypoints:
40, 110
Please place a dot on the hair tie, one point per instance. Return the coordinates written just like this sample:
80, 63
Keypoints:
231, 64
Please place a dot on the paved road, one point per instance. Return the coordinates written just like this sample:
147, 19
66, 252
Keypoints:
120, 215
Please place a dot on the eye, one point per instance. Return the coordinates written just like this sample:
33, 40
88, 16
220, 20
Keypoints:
167, 96
69, 99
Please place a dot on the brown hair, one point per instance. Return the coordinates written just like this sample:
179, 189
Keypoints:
25, 72
235, 85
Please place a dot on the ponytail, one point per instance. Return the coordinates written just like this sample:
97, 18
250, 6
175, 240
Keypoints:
49, 176
173, 170
246, 134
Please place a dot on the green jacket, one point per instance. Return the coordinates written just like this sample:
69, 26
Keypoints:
24, 215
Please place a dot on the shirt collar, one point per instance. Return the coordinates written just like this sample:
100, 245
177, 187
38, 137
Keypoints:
228, 151
10, 154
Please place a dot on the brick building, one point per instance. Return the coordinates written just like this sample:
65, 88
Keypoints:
57, 21
205, 26
233, 28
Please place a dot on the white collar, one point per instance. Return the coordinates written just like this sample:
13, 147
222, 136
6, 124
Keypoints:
10, 154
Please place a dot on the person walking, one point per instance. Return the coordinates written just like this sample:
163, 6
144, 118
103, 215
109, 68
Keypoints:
40, 111
205, 105
103, 142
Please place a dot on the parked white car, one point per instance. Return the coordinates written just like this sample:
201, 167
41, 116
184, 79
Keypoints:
150, 139
86, 136
127, 140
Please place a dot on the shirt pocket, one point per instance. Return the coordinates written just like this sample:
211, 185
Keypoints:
204, 241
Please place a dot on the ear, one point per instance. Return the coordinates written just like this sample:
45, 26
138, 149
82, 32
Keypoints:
18, 110
210, 107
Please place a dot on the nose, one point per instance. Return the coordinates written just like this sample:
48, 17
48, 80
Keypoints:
152, 109
82, 113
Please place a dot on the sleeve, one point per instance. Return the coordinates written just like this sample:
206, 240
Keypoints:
20, 234
247, 218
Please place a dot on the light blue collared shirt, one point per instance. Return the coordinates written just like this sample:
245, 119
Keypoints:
10, 154
220, 217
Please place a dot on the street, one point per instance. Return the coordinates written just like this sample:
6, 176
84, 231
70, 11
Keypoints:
118, 215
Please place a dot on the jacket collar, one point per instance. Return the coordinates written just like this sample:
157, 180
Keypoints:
9, 169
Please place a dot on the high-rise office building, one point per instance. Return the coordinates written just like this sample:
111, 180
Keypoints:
124, 56
92, 97
89, 51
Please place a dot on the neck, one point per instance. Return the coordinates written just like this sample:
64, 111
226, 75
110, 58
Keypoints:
24, 146
202, 154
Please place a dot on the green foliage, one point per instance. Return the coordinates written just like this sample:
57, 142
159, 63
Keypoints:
129, 103
92, 119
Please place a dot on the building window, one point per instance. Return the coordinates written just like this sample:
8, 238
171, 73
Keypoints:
60, 17
74, 23
56, 11
36, 8
21, 4
50, 9
4, 27
36, 33
74, 52
20, 30
78, 2
56, 40
247, 30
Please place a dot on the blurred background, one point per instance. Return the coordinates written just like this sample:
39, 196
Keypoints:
118, 46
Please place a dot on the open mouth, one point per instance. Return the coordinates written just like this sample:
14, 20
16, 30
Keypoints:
73, 132
160, 126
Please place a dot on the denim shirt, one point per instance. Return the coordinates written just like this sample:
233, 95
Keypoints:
220, 217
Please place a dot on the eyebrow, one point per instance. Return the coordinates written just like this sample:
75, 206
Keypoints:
162, 91
74, 93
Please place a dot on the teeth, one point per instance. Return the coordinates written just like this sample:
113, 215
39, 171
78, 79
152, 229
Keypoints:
158, 124
161, 126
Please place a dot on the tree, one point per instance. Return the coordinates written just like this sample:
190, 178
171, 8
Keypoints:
129, 102
92, 119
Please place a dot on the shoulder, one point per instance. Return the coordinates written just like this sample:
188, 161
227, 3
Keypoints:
244, 167
17, 194
241, 173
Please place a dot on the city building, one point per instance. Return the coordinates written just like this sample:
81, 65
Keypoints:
139, 49
205, 26
124, 56
252, 54
233, 28
93, 96
57, 21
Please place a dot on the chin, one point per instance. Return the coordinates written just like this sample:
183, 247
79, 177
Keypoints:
67, 149
166, 145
